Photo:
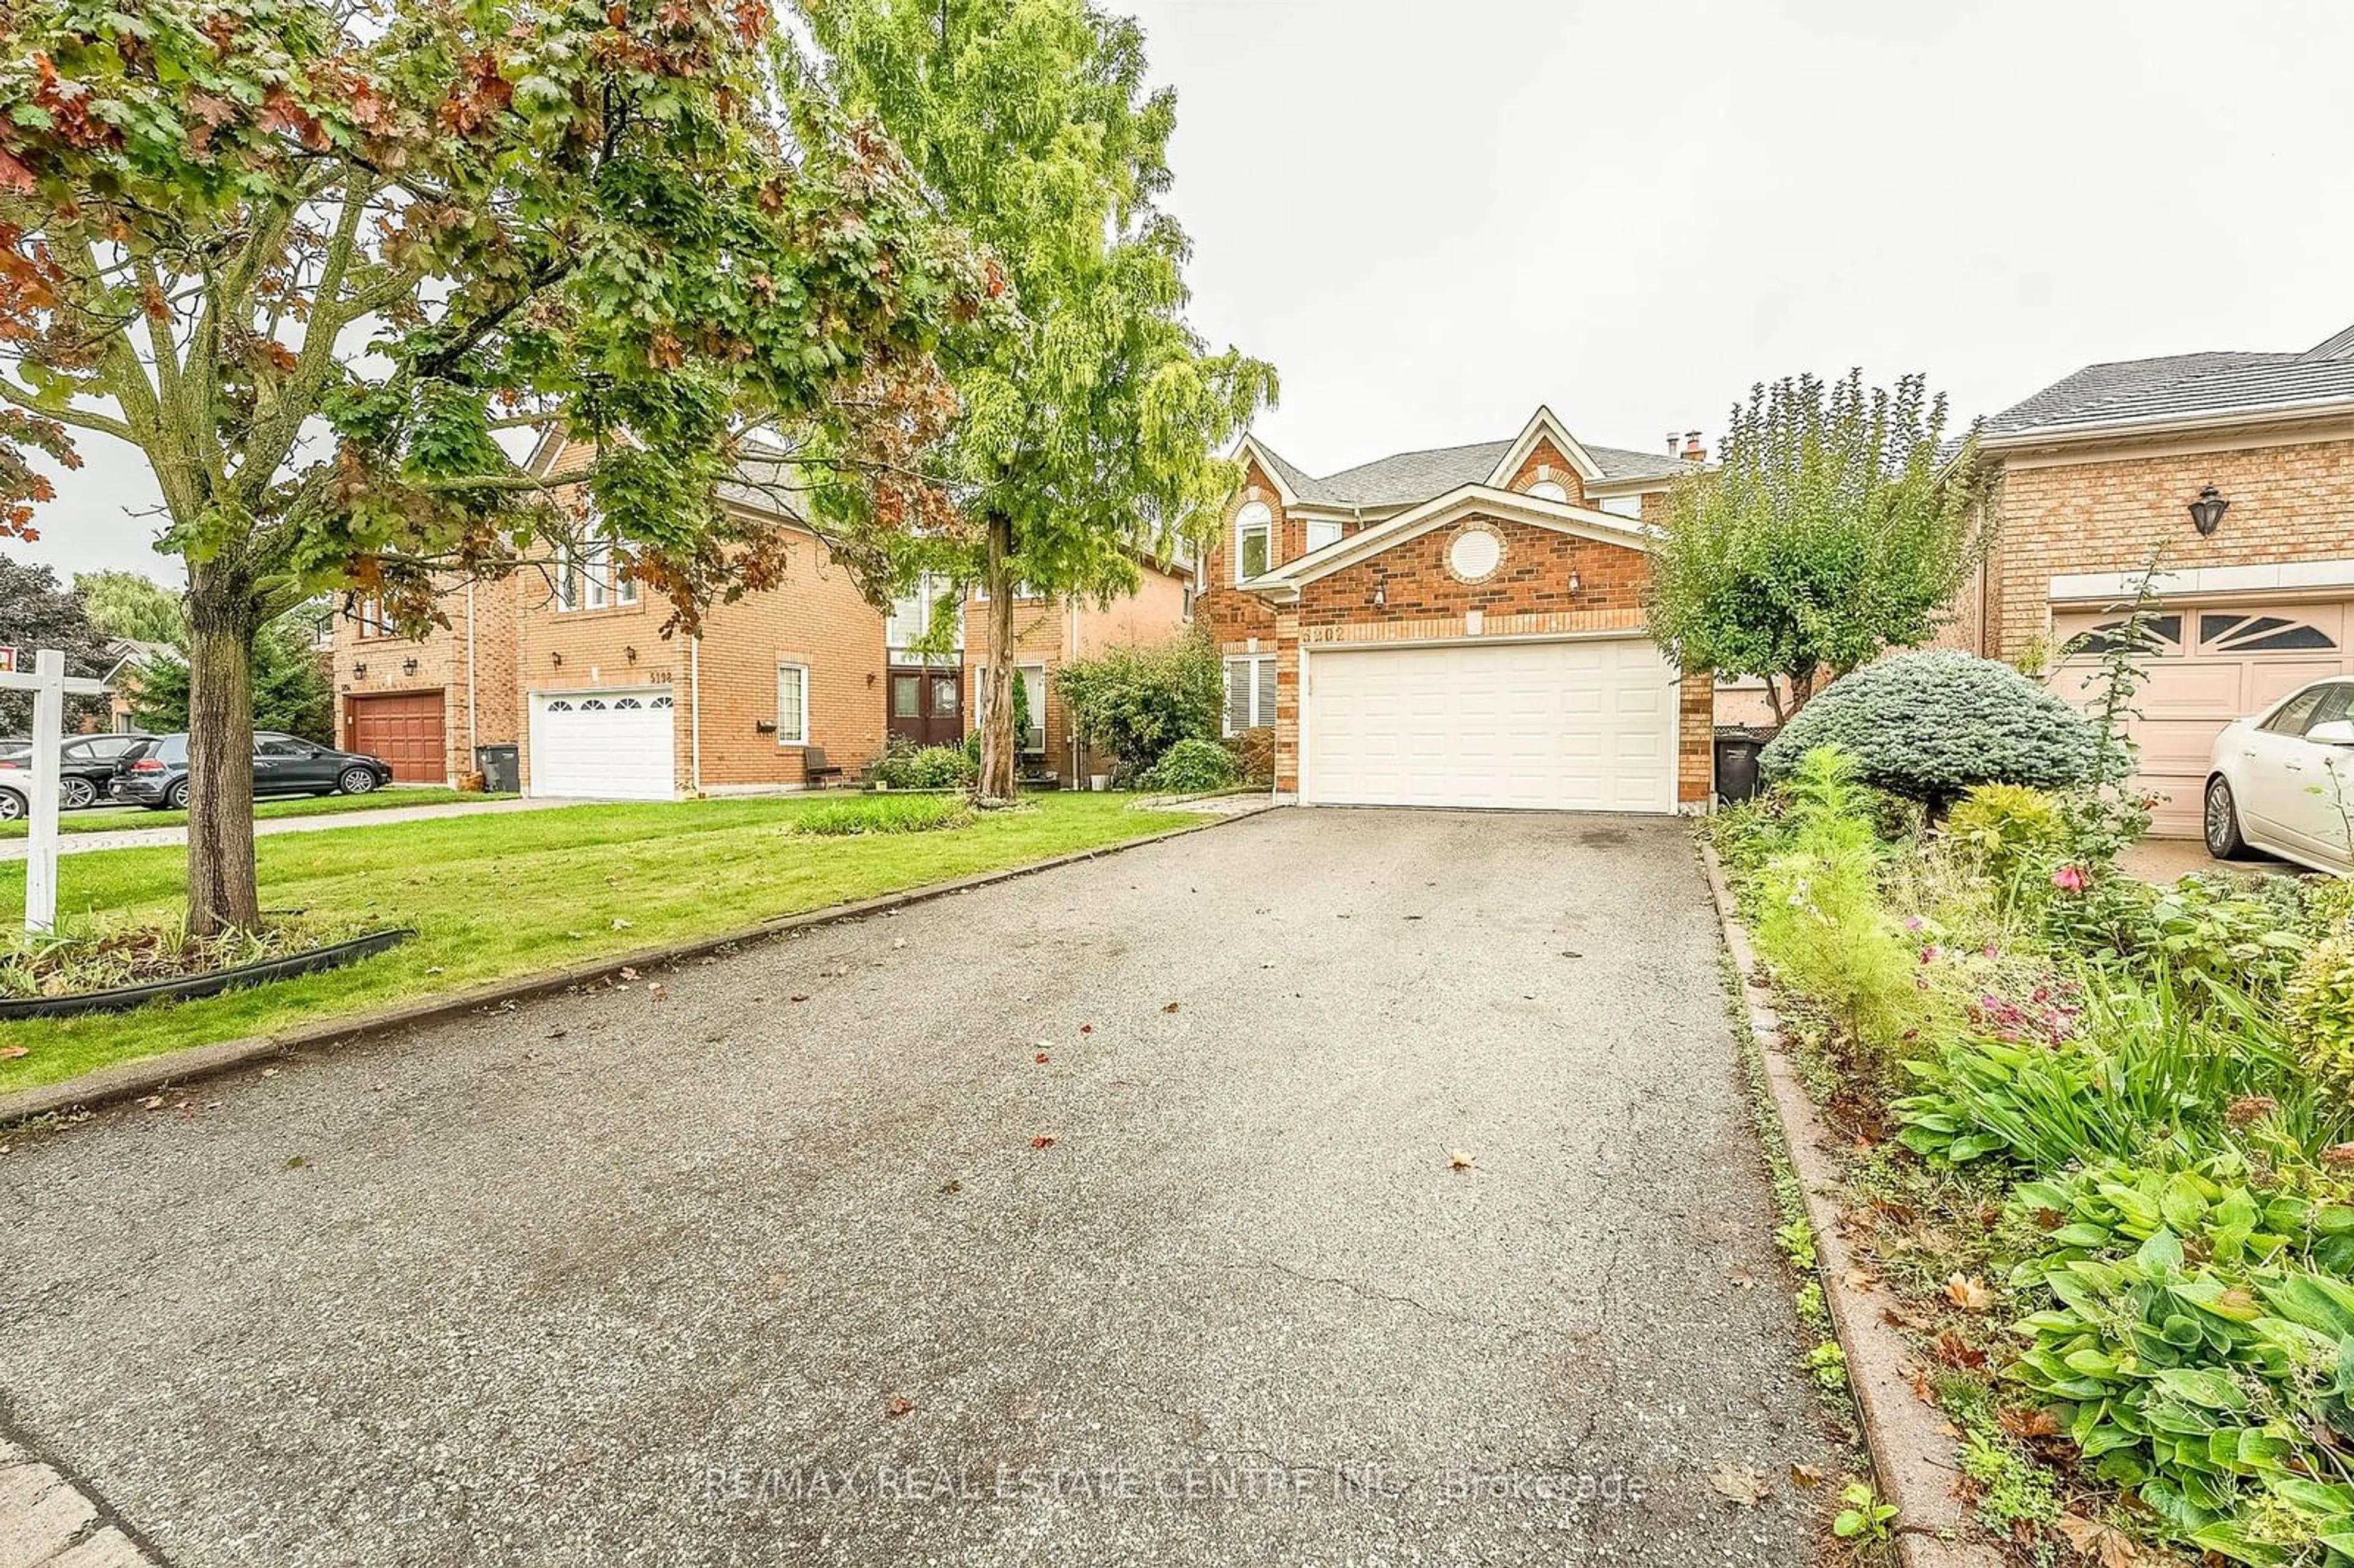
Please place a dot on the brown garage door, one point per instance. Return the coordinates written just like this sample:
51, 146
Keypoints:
405, 729
2211, 663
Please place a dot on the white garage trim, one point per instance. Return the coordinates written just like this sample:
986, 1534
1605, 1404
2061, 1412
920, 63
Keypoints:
1575, 722
605, 743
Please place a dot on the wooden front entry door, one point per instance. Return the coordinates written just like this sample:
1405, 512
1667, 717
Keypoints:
925, 704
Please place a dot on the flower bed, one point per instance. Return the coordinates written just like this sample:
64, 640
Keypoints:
2101, 1146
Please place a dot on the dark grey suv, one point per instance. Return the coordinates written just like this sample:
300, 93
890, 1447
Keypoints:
156, 774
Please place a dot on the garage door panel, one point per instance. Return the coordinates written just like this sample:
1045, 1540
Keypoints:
1559, 726
2229, 661
603, 745
405, 729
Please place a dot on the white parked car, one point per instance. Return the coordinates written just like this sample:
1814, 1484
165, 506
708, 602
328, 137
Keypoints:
2283, 781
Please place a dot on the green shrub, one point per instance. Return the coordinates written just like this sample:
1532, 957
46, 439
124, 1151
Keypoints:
1931, 723
2007, 826
1192, 767
2318, 1005
884, 814
906, 767
1821, 921
2247, 932
1132, 704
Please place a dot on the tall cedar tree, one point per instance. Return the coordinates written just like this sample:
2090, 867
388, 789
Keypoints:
1090, 430
1835, 527
308, 259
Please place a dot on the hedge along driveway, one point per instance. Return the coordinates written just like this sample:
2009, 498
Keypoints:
495, 897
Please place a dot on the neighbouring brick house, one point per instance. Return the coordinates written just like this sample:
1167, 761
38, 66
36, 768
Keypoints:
2096, 472
1462, 626
424, 703
1049, 634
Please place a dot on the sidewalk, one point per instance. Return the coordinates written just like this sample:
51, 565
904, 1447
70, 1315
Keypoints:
148, 838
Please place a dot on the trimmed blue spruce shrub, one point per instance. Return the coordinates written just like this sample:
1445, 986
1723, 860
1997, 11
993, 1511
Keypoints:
1932, 723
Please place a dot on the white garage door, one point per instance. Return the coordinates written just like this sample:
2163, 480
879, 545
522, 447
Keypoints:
2209, 664
603, 745
1583, 727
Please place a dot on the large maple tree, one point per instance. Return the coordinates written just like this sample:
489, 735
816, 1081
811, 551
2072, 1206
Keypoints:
309, 259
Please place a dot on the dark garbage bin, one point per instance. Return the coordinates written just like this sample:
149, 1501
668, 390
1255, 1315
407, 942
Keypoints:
1736, 765
501, 768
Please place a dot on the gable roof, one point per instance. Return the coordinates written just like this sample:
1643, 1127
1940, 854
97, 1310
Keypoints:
1475, 496
2217, 385
1403, 479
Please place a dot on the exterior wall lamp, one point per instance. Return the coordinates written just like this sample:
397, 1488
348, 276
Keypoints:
408, 666
359, 670
2207, 512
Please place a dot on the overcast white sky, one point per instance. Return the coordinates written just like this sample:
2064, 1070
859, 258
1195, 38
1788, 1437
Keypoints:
1433, 215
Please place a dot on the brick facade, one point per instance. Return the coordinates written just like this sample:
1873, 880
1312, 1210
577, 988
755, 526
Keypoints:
1051, 632
469, 663
725, 690
2100, 509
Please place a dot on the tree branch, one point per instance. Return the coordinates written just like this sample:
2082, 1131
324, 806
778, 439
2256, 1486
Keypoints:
81, 418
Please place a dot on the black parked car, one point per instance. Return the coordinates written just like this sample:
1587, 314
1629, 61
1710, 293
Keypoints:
155, 775
85, 770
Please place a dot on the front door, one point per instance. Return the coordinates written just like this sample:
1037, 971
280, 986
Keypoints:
927, 703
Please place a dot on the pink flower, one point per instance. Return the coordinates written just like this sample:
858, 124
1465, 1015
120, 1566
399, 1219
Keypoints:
1912, 922
2069, 879
1929, 954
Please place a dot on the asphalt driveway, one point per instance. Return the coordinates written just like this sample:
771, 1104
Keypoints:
775, 1265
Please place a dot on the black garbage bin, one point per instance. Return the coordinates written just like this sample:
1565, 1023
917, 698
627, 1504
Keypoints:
501, 768
1737, 764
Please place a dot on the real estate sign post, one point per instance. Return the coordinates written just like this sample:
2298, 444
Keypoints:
48, 684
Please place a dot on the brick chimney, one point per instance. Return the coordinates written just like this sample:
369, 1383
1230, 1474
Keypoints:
1675, 443
1694, 451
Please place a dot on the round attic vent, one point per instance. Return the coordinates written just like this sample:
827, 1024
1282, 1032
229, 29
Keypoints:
1474, 554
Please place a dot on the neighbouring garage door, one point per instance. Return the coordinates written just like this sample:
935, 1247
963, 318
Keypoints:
1583, 725
405, 729
2208, 665
603, 745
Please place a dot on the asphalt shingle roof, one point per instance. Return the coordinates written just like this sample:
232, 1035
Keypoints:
1403, 478
2131, 391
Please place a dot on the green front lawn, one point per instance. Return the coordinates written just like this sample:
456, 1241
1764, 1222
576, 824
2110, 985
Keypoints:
510, 893
124, 819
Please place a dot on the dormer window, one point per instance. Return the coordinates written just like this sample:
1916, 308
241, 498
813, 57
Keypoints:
1254, 541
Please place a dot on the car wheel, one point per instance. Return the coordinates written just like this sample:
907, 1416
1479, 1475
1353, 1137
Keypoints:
356, 781
77, 793
12, 806
176, 798
2221, 822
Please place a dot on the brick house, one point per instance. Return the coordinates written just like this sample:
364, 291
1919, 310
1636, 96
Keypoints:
1462, 626
424, 703
615, 709
1049, 634
2099, 470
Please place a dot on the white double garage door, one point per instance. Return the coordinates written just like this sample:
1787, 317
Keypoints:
1588, 724
605, 743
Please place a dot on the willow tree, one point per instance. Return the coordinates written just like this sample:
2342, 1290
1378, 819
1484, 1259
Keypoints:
309, 259
1090, 429
1837, 525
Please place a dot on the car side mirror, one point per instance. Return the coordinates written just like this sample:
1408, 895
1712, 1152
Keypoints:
2337, 732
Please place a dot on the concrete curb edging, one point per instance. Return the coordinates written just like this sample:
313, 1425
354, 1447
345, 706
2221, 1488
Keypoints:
151, 1075
1912, 1457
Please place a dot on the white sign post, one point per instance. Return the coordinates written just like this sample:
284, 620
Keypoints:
49, 685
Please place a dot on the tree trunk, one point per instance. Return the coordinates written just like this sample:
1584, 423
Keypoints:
1802, 688
222, 619
998, 741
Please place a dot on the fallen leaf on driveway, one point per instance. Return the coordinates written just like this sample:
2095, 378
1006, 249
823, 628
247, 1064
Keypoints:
268, 1072
1086, 1029
628, 973
1806, 1476
10, 1053
952, 1187
1042, 1055
1970, 1294
894, 1407
1459, 1161
797, 999
1740, 1278
1860, 1279
558, 1032
1171, 1007
1041, 1142
295, 1163
658, 990
1568, 954
898, 941
1742, 1484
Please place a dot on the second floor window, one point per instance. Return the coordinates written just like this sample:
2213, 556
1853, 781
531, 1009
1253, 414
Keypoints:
1254, 541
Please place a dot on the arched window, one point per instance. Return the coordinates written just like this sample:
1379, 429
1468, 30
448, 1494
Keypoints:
1549, 490
1254, 541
